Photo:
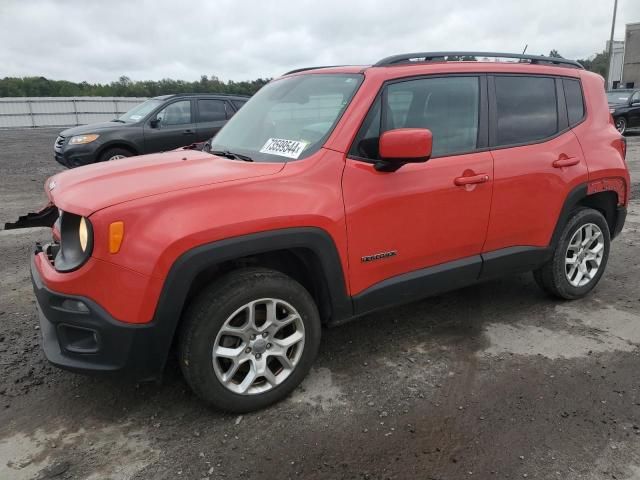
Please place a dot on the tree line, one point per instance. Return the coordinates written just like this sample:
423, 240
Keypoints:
123, 87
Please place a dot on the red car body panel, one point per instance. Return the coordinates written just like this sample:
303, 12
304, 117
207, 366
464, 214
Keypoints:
173, 202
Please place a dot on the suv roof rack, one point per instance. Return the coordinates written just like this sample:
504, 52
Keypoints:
443, 56
298, 70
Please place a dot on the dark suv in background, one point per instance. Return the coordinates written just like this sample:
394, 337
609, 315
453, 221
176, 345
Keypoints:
624, 106
158, 124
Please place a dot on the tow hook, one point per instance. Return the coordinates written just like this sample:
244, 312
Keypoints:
44, 218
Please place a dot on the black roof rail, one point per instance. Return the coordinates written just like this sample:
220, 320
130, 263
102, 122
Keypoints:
442, 56
298, 70
205, 94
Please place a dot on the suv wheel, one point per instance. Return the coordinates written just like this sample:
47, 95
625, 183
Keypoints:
114, 154
621, 124
580, 257
249, 339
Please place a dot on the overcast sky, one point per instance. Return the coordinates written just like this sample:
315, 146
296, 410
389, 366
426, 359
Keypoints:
98, 40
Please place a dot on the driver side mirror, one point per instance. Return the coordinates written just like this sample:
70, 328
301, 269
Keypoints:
155, 123
403, 145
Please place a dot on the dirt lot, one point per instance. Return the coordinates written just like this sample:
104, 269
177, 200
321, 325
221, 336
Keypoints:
493, 381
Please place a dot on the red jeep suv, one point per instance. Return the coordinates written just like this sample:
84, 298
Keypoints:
333, 192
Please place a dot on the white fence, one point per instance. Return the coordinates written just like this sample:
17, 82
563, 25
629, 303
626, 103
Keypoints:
62, 111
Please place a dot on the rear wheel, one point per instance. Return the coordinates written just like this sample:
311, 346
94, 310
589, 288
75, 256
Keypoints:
621, 124
114, 154
580, 257
249, 339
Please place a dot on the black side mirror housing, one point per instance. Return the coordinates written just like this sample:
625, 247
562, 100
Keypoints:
155, 123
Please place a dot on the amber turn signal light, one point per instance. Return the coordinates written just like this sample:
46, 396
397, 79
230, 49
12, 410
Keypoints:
116, 234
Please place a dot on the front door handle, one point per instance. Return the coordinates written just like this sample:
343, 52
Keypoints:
188, 132
565, 161
471, 180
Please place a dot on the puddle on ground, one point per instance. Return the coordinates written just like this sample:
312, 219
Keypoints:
319, 390
113, 451
609, 330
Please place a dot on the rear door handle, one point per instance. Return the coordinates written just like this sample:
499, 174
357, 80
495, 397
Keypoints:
565, 162
470, 180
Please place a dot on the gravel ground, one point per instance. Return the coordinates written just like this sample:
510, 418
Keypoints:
492, 381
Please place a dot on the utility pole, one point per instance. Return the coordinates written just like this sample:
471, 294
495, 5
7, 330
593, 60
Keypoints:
613, 27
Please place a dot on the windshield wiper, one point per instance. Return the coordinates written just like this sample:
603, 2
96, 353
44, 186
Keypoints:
118, 120
231, 155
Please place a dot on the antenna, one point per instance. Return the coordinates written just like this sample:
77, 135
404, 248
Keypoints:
525, 49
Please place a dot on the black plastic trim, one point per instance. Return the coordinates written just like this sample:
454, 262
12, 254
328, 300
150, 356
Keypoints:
574, 197
191, 263
135, 351
418, 284
621, 216
511, 260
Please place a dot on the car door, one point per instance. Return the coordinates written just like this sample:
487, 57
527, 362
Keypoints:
171, 127
424, 214
538, 160
212, 114
633, 116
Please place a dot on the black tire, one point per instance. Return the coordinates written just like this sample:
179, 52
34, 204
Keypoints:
621, 124
208, 313
110, 153
552, 278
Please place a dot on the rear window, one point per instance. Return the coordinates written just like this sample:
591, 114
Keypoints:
575, 103
526, 109
238, 103
211, 110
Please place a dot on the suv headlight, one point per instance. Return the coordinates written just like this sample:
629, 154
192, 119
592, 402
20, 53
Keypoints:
76, 242
82, 139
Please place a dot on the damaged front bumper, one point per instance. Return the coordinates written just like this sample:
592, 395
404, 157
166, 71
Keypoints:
44, 218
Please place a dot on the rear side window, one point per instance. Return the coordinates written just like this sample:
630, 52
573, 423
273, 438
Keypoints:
211, 110
448, 106
575, 102
526, 109
238, 103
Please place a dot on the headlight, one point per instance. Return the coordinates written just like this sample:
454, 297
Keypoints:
76, 242
82, 139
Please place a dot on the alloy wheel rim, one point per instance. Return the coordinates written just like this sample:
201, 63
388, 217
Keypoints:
621, 125
584, 255
116, 157
258, 346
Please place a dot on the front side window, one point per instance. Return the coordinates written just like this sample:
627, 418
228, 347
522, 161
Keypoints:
289, 118
140, 111
635, 98
526, 109
178, 113
210, 110
447, 106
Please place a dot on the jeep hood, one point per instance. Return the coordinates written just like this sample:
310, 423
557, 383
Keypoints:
87, 189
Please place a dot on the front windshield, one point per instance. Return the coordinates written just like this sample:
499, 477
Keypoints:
618, 97
289, 118
140, 111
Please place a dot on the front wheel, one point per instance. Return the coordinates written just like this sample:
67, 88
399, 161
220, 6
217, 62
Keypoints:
249, 339
114, 154
580, 257
621, 124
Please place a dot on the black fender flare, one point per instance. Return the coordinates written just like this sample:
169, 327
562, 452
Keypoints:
575, 196
192, 262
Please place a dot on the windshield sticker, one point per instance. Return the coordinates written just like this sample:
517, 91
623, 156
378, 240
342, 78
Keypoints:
135, 117
284, 148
